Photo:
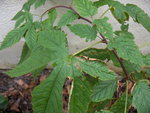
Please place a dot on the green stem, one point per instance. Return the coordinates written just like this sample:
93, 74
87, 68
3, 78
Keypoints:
146, 44
126, 101
105, 12
86, 48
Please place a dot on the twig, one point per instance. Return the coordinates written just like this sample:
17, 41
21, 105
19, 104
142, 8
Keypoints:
105, 12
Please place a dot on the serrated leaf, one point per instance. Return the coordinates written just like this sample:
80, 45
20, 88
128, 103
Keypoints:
54, 40
96, 69
147, 63
18, 15
85, 7
31, 37
101, 54
138, 15
119, 105
102, 3
119, 11
104, 90
49, 22
13, 37
84, 31
39, 57
141, 97
67, 18
26, 52
97, 106
38, 3
47, 97
80, 96
104, 27
126, 48
19, 21
131, 67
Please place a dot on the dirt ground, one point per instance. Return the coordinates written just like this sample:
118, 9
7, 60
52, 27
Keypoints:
18, 91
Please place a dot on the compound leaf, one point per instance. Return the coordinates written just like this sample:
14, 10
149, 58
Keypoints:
80, 96
104, 27
97, 69
47, 97
84, 31
141, 97
104, 90
138, 15
67, 18
85, 7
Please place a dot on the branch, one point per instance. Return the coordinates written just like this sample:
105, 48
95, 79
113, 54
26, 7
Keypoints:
66, 7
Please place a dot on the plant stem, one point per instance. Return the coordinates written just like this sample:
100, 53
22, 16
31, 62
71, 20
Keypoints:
105, 12
86, 48
126, 101
66, 7
146, 44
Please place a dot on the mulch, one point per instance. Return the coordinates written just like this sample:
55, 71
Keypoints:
18, 91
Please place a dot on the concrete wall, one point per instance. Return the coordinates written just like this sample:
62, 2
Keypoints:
8, 8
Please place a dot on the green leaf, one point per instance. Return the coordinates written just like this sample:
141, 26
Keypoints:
19, 21
119, 11
104, 27
147, 63
13, 37
67, 18
101, 54
26, 52
80, 96
3, 102
84, 31
97, 69
31, 37
104, 90
119, 105
139, 15
47, 97
97, 106
85, 7
102, 3
18, 15
141, 97
54, 40
39, 57
49, 22
126, 48
38, 3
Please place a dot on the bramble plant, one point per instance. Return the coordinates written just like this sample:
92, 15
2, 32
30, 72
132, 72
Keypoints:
95, 88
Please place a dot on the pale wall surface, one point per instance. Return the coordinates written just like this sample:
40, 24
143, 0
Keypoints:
8, 8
